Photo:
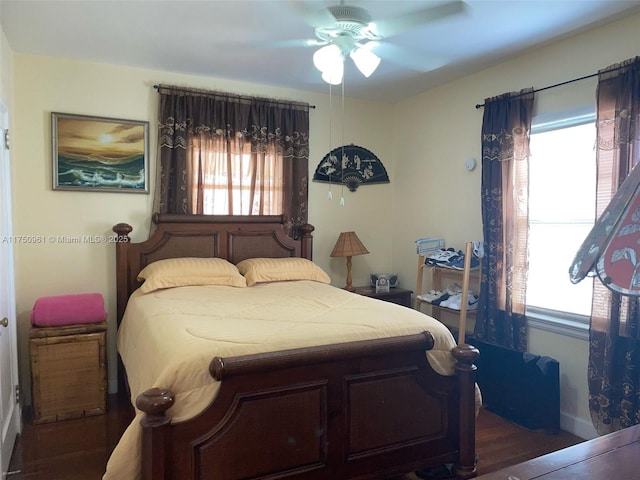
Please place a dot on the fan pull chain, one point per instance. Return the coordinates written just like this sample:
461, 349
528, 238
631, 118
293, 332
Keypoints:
342, 154
330, 195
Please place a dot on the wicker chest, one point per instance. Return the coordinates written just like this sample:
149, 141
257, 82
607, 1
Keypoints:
68, 371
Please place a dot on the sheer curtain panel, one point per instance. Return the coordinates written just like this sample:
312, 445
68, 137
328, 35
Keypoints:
506, 127
614, 344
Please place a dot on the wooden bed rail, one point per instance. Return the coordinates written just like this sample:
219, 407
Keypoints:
222, 368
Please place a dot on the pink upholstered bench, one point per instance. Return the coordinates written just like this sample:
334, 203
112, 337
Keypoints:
68, 310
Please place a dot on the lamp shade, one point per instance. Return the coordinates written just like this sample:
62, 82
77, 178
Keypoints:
348, 245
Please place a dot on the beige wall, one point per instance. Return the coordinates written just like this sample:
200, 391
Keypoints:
44, 85
6, 70
436, 131
423, 143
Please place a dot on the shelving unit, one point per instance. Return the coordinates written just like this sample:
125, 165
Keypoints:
468, 278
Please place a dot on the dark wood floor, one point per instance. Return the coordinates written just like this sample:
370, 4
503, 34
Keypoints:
79, 449
72, 449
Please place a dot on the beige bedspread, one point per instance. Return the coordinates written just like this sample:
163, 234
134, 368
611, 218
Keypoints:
167, 338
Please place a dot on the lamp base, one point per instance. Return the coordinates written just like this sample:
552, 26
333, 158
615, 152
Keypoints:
348, 287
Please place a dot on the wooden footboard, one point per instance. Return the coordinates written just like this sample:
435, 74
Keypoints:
371, 409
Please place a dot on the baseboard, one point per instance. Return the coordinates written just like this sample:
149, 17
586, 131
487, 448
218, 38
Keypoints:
577, 426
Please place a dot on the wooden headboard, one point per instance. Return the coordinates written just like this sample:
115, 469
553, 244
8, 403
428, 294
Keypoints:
232, 237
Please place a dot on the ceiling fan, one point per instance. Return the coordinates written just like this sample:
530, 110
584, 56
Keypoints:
349, 31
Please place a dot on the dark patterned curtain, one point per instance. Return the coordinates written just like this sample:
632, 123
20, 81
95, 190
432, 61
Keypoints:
202, 133
506, 128
614, 353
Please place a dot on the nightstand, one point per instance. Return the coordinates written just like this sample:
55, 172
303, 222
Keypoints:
394, 295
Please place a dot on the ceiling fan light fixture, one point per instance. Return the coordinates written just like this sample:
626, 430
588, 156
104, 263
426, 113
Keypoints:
365, 60
326, 57
334, 74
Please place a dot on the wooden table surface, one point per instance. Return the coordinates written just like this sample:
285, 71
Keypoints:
610, 457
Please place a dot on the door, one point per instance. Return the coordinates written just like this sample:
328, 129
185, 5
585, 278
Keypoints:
9, 407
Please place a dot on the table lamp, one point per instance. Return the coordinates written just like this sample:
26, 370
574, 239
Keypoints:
348, 245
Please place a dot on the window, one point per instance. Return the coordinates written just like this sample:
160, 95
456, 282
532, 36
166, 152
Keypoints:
562, 189
250, 153
237, 184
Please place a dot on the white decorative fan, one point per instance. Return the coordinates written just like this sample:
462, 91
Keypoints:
348, 31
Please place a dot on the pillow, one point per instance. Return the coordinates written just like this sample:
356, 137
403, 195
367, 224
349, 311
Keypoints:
257, 270
180, 272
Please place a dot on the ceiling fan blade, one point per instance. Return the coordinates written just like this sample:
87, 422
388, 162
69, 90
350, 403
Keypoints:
294, 43
413, 59
401, 23
312, 16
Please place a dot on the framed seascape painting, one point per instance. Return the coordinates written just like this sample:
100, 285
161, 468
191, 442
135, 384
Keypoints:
99, 154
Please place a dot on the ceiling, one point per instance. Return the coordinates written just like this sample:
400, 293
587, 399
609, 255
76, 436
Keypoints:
262, 41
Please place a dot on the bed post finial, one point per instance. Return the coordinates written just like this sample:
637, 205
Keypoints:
123, 230
156, 434
306, 230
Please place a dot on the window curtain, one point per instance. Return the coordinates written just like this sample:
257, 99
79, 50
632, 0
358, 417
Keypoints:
209, 141
614, 342
506, 128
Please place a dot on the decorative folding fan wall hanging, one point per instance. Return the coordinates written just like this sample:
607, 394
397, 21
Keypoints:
358, 166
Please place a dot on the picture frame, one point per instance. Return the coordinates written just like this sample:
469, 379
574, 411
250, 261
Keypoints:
99, 154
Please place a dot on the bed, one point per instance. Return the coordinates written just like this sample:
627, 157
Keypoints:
370, 404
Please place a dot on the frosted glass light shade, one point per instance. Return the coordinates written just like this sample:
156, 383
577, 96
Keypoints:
326, 57
333, 75
365, 60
